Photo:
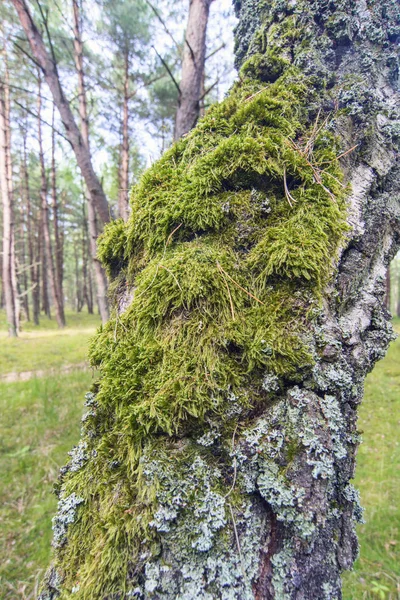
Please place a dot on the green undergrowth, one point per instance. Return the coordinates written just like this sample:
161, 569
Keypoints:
45, 347
233, 236
39, 424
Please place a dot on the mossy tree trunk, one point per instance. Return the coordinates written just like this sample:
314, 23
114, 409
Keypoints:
219, 443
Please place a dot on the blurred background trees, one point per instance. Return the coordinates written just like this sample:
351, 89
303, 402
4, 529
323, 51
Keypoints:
120, 75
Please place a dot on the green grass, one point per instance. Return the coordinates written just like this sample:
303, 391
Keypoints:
377, 571
40, 422
45, 347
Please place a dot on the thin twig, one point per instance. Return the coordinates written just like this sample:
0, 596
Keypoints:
234, 463
168, 70
215, 51
239, 286
229, 291
288, 195
347, 152
172, 233
256, 94
237, 541
159, 17
171, 273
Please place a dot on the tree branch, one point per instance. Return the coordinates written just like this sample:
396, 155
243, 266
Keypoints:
168, 70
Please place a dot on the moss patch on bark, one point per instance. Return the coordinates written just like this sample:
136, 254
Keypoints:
233, 236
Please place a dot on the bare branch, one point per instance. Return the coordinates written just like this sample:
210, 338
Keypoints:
168, 70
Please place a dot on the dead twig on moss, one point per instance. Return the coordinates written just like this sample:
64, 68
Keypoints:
239, 286
288, 195
228, 290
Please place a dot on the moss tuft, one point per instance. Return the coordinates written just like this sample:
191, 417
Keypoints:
232, 237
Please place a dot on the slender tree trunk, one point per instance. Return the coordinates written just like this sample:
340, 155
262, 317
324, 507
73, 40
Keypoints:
101, 280
50, 283
8, 271
59, 258
25, 266
194, 54
36, 278
30, 232
123, 195
219, 445
84, 246
78, 295
74, 136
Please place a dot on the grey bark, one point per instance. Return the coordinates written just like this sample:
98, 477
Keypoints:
290, 532
194, 53
74, 136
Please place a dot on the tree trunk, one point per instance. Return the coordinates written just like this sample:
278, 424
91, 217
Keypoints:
194, 54
8, 270
101, 280
219, 442
37, 266
74, 136
58, 245
123, 195
50, 281
24, 259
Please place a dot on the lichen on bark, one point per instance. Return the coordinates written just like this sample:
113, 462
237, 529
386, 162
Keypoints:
219, 442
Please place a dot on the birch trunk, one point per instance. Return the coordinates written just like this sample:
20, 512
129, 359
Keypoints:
219, 489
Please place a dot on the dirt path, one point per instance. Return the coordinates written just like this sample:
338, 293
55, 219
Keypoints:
26, 375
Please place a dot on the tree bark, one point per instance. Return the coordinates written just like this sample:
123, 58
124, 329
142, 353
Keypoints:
58, 245
101, 279
8, 267
220, 489
74, 136
51, 278
194, 54
123, 195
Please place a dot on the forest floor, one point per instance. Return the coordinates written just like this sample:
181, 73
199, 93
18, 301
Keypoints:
40, 422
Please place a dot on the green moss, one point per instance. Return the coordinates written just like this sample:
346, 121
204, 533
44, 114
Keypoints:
111, 247
233, 236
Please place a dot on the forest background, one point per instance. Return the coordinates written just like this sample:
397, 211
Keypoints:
129, 55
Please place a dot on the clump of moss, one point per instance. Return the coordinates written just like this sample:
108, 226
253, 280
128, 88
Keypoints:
232, 237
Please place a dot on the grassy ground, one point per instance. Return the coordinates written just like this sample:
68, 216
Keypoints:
46, 347
377, 571
40, 422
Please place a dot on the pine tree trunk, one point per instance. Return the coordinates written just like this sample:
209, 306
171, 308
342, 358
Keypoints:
50, 284
219, 443
123, 194
101, 280
74, 136
58, 246
194, 54
8, 266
